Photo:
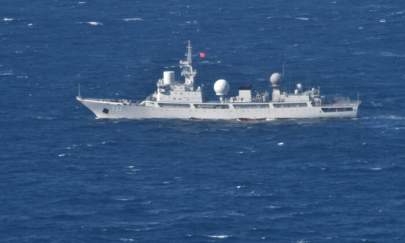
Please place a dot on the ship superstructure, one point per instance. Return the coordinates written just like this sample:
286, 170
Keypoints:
184, 100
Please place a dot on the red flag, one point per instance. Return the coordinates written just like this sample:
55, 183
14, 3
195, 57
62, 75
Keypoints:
202, 55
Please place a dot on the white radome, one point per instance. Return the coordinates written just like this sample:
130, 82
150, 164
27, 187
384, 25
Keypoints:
275, 78
299, 86
221, 87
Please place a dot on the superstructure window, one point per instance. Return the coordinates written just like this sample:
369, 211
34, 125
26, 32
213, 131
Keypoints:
337, 109
211, 106
105, 111
250, 106
174, 105
289, 105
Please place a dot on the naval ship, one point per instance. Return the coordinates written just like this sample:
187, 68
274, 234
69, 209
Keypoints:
174, 99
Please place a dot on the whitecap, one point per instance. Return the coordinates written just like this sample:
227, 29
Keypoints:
61, 155
127, 239
191, 22
132, 19
302, 18
132, 170
8, 19
219, 236
81, 2
376, 168
382, 21
280, 144
94, 23
30, 24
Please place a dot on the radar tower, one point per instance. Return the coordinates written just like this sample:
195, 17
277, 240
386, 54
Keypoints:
187, 70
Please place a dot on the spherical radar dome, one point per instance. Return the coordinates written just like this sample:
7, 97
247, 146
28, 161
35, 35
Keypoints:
275, 78
221, 87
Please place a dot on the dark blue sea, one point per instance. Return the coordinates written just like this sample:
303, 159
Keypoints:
68, 177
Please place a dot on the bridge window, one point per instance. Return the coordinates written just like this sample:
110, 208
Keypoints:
250, 106
289, 105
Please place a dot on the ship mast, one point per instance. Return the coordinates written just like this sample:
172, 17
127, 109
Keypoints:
186, 67
189, 53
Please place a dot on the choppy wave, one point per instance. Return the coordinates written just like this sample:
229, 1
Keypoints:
391, 54
211, 181
6, 73
384, 117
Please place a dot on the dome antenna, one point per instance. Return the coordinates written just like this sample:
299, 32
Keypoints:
275, 79
221, 88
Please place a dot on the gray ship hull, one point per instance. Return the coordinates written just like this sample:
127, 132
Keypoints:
122, 109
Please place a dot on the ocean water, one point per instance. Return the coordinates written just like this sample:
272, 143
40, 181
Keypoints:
67, 177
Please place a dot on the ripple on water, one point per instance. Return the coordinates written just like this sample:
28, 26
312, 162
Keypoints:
132, 19
127, 240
